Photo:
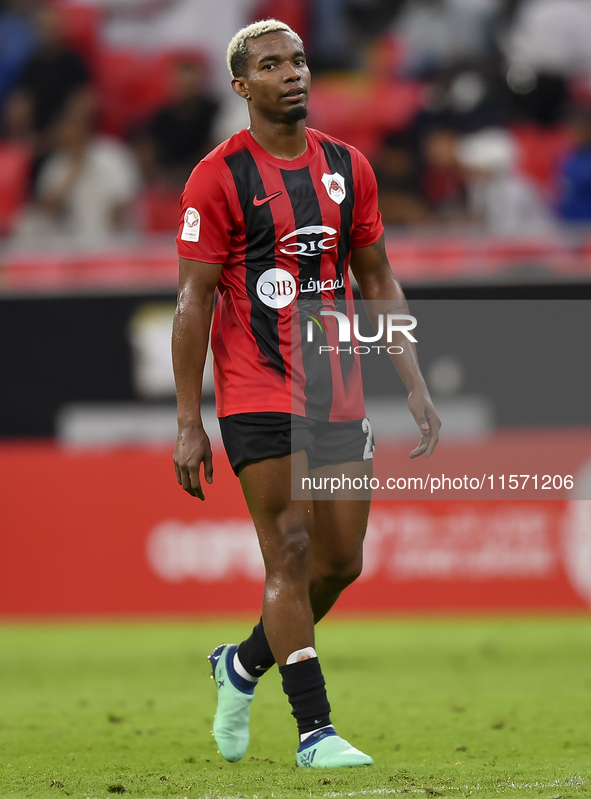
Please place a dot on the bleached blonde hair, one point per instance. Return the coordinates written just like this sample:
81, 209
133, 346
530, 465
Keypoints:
238, 50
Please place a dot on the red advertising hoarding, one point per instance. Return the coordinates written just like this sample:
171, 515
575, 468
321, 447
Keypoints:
106, 532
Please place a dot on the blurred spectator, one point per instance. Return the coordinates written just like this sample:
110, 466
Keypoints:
545, 44
401, 202
84, 188
461, 98
332, 45
500, 199
180, 134
152, 25
370, 18
502, 22
442, 182
203, 25
574, 203
551, 37
53, 78
16, 44
536, 97
436, 33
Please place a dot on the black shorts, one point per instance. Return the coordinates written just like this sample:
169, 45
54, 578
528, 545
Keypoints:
252, 437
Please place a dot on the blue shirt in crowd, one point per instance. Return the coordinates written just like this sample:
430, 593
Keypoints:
575, 187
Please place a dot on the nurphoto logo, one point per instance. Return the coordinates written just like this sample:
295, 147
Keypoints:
387, 323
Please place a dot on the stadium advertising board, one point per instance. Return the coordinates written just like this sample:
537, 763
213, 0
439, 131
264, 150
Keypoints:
108, 532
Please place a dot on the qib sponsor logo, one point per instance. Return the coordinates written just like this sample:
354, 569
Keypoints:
276, 288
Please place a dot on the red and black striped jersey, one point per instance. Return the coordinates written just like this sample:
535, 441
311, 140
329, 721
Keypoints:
283, 232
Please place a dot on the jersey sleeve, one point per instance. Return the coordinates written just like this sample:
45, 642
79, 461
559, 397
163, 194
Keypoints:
367, 220
206, 223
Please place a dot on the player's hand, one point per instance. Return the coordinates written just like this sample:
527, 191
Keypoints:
421, 407
193, 449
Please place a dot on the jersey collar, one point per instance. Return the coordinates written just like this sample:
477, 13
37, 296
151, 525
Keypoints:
297, 163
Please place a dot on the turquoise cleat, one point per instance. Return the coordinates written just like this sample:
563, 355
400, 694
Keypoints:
230, 723
326, 749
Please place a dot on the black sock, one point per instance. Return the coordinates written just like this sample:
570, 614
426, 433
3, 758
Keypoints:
255, 653
305, 688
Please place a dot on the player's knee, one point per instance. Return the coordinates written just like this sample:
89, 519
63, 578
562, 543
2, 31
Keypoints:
354, 570
341, 572
293, 554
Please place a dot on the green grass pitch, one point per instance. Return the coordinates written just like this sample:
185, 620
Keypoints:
446, 708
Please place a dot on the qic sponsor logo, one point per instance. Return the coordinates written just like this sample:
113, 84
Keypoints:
387, 325
321, 238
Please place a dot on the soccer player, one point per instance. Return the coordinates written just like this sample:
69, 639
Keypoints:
272, 219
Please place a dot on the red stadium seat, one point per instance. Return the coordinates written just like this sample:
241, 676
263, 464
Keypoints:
15, 166
361, 110
540, 153
385, 57
115, 86
294, 13
82, 28
580, 91
160, 209
132, 86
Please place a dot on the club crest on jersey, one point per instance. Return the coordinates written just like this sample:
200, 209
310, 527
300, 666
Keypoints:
335, 186
192, 225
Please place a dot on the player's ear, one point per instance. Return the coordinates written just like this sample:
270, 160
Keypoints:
240, 86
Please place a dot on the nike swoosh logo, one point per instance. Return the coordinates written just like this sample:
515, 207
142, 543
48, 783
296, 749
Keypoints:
264, 200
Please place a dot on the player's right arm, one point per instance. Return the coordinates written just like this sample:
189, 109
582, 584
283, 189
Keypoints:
190, 338
203, 243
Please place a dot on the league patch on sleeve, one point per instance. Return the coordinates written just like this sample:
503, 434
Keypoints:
192, 225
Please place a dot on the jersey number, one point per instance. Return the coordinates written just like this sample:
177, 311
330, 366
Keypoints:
370, 446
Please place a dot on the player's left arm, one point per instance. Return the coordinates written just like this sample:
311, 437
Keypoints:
382, 293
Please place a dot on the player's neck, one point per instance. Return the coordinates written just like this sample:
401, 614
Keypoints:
281, 140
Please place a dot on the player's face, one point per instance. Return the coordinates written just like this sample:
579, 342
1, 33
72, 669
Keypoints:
278, 78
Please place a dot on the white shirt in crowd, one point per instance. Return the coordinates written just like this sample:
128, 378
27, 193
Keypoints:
503, 201
508, 205
436, 34
552, 36
108, 179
